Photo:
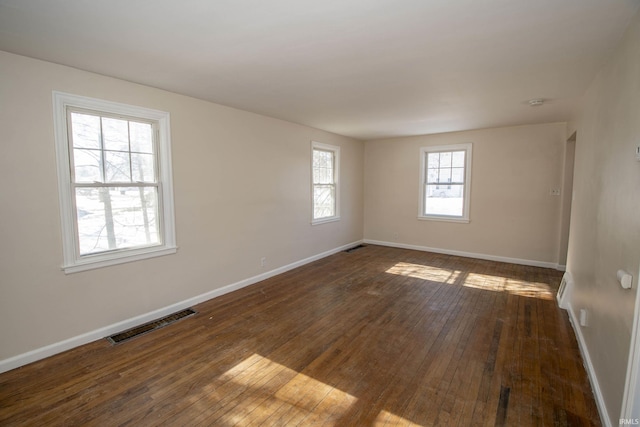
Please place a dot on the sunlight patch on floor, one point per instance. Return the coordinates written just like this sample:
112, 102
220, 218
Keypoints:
268, 390
387, 419
305, 393
502, 284
484, 282
425, 272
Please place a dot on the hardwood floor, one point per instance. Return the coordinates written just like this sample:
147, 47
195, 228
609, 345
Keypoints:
377, 336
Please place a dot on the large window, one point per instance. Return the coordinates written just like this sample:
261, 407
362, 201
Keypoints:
325, 165
114, 173
445, 182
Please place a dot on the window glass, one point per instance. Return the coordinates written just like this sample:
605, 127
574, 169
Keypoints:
111, 217
445, 186
325, 160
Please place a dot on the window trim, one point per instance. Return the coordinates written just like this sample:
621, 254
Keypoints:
72, 261
424, 151
336, 178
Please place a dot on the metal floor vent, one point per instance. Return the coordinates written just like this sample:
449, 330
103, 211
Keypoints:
151, 326
355, 248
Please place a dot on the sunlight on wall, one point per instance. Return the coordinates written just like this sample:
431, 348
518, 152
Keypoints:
473, 280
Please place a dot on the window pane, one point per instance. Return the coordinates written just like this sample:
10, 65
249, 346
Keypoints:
322, 167
433, 160
85, 130
322, 159
141, 139
445, 160
432, 175
86, 165
323, 201
445, 175
116, 134
458, 159
143, 167
444, 201
116, 218
457, 175
117, 167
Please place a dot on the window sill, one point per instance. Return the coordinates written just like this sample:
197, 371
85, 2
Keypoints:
325, 220
100, 261
444, 219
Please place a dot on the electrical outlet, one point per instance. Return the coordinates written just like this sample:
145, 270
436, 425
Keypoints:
554, 192
263, 261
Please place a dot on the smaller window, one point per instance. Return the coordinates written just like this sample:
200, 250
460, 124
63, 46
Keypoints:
325, 165
445, 182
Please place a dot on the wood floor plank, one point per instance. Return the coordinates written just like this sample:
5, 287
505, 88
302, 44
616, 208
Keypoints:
377, 336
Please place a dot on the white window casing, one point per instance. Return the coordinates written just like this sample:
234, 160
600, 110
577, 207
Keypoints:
76, 181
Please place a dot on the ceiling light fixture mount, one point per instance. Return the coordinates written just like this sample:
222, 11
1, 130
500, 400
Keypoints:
536, 102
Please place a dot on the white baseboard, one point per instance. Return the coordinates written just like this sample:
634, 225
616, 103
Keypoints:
591, 373
59, 347
465, 254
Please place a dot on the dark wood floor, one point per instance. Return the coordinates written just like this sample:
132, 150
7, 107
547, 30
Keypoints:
377, 336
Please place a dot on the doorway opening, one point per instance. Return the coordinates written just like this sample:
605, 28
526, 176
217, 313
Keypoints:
567, 194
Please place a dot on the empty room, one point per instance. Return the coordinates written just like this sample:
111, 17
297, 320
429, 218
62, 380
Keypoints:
337, 213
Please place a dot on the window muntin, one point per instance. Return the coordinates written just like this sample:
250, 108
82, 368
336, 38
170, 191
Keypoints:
324, 187
115, 187
325, 166
114, 175
444, 187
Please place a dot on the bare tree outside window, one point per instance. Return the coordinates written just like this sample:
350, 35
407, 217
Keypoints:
114, 178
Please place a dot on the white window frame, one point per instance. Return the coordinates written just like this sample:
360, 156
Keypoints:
72, 260
424, 151
336, 180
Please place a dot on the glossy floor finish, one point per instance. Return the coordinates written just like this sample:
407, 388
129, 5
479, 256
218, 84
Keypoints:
375, 337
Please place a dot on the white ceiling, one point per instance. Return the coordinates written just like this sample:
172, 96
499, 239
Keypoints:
362, 68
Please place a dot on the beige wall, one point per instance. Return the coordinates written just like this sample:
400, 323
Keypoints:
605, 221
512, 214
242, 192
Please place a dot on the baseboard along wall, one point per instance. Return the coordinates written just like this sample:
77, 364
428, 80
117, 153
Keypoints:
59, 347
564, 302
591, 373
468, 254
